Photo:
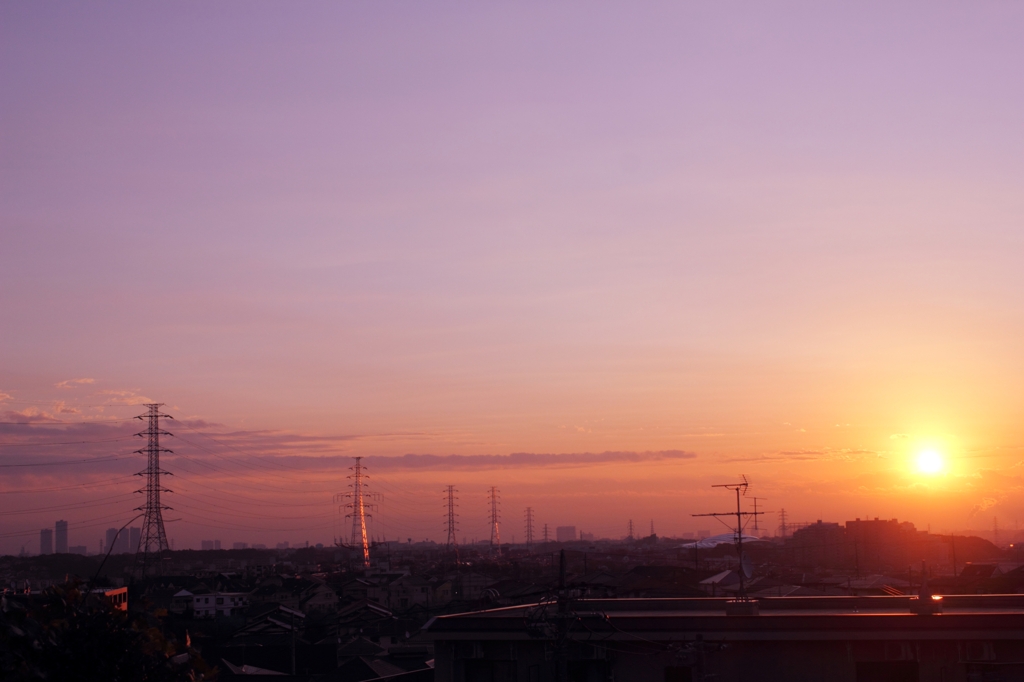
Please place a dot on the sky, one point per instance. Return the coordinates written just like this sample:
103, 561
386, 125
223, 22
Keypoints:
599, 257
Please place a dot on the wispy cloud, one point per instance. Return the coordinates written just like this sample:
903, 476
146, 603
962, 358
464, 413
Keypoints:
31, 414
71, 383
826, 454
522, 460
126, 397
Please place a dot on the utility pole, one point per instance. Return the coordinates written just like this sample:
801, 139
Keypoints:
153, 539
452, 524
529, 529
739, 513
629, 535
495, 532
358, 513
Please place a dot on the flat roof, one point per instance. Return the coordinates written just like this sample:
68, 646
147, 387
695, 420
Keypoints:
779, 619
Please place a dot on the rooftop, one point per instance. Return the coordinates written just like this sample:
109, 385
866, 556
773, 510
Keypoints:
780, 618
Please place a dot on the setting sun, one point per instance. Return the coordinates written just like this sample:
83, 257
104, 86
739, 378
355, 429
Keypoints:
930, 462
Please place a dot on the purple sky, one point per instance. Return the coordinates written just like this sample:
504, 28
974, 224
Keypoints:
724, 228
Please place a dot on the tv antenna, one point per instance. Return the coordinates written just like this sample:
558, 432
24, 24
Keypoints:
755, 511
741, 490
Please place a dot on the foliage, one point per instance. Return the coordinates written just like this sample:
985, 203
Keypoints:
68, 634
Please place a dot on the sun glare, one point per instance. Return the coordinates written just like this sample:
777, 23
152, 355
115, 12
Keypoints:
930, 462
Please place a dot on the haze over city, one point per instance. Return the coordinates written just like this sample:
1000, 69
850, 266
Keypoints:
599, 259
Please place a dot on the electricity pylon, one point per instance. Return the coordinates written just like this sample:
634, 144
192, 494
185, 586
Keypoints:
495, 532
529, 529
358, 513
452, 523
153, 539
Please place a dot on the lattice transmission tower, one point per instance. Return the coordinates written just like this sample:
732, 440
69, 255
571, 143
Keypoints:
358, 510
629, 531
452, 523
529, 528
495, 517
546, 534
153, 539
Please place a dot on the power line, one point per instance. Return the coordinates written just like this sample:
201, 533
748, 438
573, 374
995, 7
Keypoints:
69, 442
66, 423
105, 484
94, 460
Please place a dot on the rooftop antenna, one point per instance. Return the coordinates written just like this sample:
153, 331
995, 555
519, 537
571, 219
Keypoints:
740, 489
756, 529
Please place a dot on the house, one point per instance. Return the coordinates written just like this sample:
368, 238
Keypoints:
318, 598
181, 602
408, 591
209, 604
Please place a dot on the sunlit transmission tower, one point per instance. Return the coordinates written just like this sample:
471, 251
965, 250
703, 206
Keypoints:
529, 528
495, 534
358, 511
452, 523
154, 538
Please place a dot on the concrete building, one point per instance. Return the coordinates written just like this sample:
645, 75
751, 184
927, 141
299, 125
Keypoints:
134, 538
61, 539
565, 533
819, 544
207, 604
46, 541
121, 543
791, 639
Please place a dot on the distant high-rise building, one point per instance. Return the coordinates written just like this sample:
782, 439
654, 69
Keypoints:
565, 533
216, 544
62, 537
46, 541
111, 534
122, 544
207, 545
135, 535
